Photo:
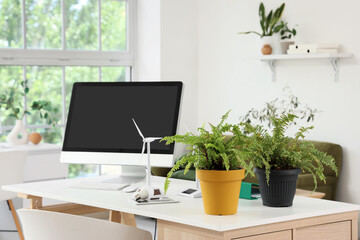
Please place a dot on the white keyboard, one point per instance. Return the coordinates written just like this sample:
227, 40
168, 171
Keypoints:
101, 185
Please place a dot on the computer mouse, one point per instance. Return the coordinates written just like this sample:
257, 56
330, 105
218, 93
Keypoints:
130, 189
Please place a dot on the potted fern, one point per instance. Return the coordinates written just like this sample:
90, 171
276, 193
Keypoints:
270, 26
219, 165
279, 159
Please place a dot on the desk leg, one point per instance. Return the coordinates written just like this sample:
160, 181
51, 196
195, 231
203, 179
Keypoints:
354, 227
129, 219
16, 220
35, 202
120, 217
115, 216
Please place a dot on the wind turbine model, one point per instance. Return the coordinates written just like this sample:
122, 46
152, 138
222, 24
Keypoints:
191, 192
141, 193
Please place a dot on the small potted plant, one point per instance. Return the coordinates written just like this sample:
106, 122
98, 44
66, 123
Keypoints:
219, 165
279, 159
286, 34
288, 104
11, 101
270, 26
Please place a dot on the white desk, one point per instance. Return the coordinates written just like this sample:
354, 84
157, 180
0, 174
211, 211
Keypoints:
187, 220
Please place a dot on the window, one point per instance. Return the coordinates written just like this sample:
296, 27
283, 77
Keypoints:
54, 43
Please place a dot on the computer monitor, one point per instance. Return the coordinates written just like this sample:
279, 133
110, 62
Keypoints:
100, 129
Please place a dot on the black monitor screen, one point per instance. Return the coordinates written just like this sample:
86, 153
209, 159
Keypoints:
100, 116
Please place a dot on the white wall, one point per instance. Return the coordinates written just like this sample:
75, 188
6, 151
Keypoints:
179, 53
231, 78
148, 66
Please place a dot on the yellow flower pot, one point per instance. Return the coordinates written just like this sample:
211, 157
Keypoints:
220, 190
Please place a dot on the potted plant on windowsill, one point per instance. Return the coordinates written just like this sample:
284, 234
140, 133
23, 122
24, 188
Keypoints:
279, 159
219, 165
11, 101
270, 26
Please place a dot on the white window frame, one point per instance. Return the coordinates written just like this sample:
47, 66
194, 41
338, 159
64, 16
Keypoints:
62, 57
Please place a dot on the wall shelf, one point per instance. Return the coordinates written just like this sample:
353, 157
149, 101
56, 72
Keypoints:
333, 57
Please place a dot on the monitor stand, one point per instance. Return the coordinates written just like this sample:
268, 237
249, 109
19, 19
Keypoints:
129, 175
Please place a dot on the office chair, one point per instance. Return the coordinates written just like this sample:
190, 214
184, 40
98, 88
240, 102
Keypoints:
11, 172
45, 225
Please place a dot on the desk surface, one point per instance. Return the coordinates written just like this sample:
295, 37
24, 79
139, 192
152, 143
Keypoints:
188, 211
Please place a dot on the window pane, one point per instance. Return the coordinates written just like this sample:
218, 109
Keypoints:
3, 135
113, 25
43, 23
9, 76
49, 135
45, 83
114, 74
82, 24
10, 24
81, 170
79, 74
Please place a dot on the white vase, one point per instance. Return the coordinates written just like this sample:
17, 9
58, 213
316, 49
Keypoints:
285, 45
18, 134
273, 41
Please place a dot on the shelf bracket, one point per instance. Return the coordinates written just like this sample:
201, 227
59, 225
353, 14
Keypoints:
272, 65
335, 64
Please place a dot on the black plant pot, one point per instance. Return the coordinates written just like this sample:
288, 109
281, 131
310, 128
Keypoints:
281, 189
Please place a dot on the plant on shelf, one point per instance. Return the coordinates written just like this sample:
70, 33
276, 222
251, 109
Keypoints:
271, 25
268, 23
286, 32
11, 101
278, 159
289, 104
218, 162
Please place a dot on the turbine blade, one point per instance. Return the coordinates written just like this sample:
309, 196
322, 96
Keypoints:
138, 129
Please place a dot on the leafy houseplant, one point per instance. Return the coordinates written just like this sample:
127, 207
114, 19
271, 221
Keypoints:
45, 110
290, 104
269, 24
215, 157
277, 157
11, 101
286, 34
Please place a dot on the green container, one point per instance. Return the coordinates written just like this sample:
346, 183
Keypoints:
249, 191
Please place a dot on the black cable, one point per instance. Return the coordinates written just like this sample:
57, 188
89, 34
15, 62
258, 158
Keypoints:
8, 203
155, 229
